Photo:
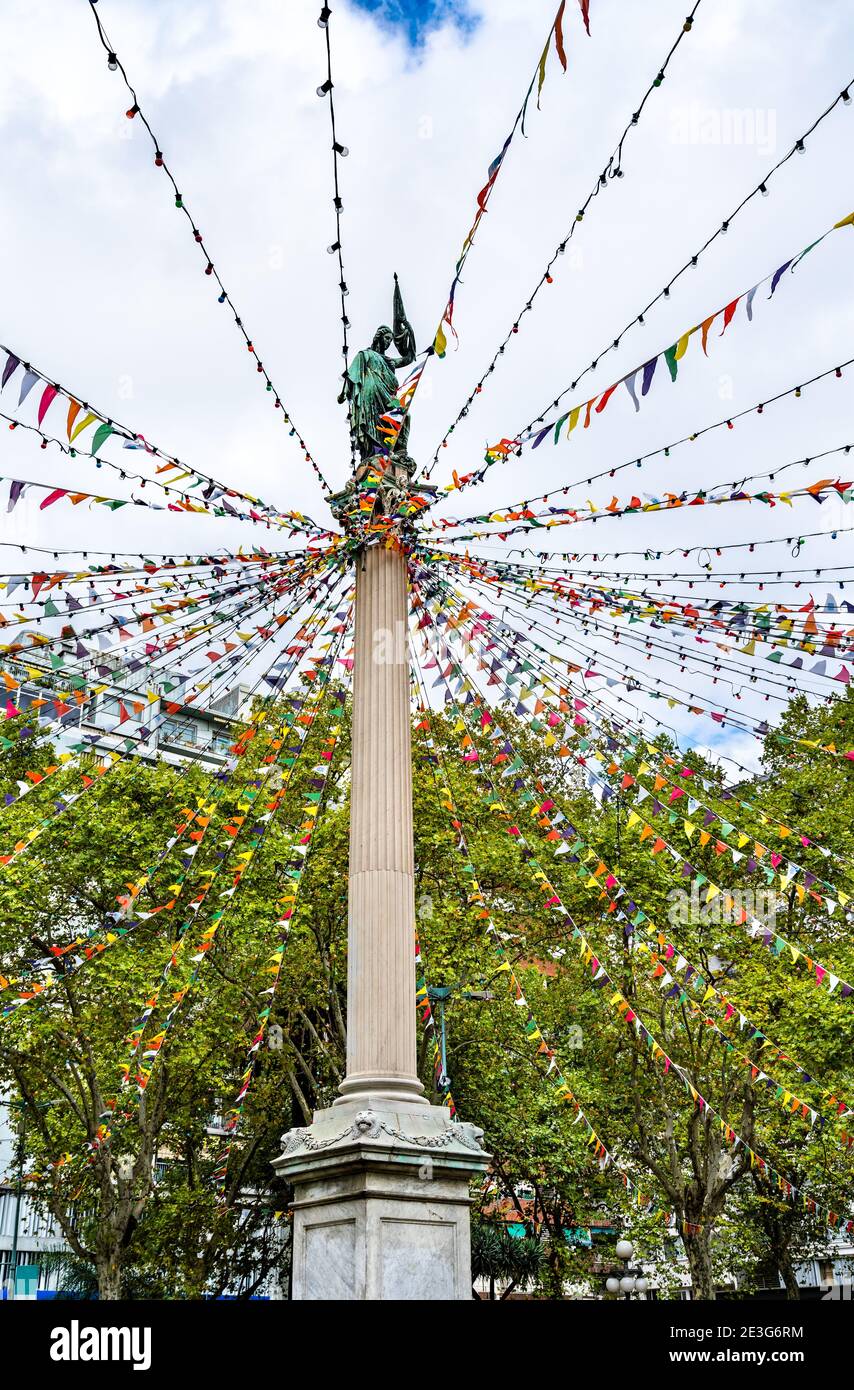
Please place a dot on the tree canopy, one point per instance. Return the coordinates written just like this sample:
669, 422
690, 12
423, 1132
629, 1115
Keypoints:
125, 1123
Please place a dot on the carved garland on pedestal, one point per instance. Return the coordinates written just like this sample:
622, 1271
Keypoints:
367, 1125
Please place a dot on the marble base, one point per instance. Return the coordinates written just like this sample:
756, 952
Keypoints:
381, 1202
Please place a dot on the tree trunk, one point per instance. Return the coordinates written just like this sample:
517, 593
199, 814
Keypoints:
109, 1278
787, 1274
699, 1255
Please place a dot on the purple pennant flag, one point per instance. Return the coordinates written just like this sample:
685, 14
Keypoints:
15, 491
648, 373
777, 274
12, 362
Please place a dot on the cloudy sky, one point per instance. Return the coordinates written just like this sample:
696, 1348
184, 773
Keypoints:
104, 289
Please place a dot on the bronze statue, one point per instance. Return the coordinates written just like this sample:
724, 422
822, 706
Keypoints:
370, 385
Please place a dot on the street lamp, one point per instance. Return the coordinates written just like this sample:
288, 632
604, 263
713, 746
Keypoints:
632, 1280
438, 995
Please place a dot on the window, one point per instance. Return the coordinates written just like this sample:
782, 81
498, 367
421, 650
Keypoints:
7, 1212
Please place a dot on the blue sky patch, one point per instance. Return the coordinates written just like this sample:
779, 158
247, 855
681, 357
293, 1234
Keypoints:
416, 17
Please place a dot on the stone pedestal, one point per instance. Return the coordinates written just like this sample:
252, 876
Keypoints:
381, 1205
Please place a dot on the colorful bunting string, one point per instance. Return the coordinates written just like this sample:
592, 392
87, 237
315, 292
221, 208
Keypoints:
81, 417
640, 378
618, 1001
824, 647
234, 654
113, 757
559, 729
293, 872
772, 940
663, 451
145, 1053
713, 709
439, 345
613, 169
99, 938
563, 1092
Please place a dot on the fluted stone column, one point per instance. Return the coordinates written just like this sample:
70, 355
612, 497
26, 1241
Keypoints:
381, 1178
381, 1056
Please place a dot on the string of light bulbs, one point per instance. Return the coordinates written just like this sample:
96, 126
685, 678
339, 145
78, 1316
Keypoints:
115, 65
664, 450
204, 504
705, 548
499, 515
438, 343
613, 170
721, 579
639, 319
650, 648
339, 152
133, 439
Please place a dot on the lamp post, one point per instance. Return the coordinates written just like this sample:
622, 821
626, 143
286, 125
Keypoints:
439, 995
632, 1280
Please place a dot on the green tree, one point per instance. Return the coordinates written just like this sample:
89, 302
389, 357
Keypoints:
153, 1226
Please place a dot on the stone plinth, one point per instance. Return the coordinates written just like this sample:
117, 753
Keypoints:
381, 1204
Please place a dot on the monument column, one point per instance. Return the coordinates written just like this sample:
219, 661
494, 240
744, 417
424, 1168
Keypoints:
380, 1177
381, 1053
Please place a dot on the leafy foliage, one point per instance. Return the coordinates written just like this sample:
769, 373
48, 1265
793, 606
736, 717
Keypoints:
152, 1226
